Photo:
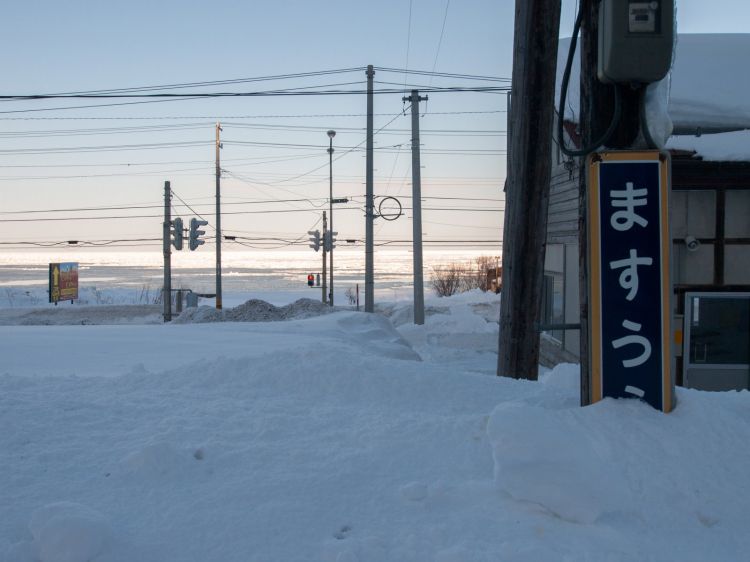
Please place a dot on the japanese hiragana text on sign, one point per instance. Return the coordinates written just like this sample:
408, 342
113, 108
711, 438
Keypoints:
630, 290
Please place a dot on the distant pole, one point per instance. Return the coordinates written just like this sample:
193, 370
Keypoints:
537, 25
218, 217
167, 295
330, 134
416, 187
369, 204
325, 281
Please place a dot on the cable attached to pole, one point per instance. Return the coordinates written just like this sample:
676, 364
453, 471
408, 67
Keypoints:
616, 114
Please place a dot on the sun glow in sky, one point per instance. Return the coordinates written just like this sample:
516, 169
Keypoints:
89, 153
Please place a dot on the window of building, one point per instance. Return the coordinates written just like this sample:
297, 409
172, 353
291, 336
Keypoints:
552, 303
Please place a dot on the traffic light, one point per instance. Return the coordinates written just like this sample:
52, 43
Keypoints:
177, 234
310, 280
195, 234
329, 241
314, 239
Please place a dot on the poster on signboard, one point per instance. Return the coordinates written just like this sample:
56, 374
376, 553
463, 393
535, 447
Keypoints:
63, 281
629, 283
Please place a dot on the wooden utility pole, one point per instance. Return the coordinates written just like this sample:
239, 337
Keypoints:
416, 207
218, 217
369, 203
537, 25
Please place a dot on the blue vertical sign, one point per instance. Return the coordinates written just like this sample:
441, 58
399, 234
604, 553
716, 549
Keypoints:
630, 291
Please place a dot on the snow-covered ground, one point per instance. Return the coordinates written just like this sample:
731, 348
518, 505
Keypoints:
344, 436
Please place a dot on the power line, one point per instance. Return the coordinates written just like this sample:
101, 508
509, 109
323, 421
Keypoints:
443, 74
225, 117
394, 117
111, 175
265, 211
268, 159
276, 77
79, 242
260, 93
227, 82
107, 148
440, 41
156, 205
194, 212
105, 130
260, 242
91, 106
408, 41
253, 126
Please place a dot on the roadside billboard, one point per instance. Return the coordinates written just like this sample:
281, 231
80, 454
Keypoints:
63, 281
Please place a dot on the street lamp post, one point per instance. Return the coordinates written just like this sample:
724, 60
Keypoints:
331, 134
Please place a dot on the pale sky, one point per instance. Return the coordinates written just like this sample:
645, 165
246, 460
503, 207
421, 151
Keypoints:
95, 157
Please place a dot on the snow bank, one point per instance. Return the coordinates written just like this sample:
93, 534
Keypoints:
83, 315
325, 439
254, 310
461, 330
622, 464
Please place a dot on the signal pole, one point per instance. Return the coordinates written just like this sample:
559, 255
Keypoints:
167, 294
330, 134
369, 204
416, 187
218, 217
325, 228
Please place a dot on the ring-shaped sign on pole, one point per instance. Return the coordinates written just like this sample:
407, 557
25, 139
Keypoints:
388, 214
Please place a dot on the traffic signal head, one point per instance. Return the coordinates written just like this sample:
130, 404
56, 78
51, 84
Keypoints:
330, 240
310, 280
314, 239
177, 233
195, 234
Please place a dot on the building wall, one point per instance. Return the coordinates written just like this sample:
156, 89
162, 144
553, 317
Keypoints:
561, 258
709, 202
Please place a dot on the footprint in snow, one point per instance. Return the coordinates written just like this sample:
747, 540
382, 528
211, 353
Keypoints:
342, 533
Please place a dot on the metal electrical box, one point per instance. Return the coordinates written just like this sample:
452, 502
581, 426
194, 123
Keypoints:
635, 40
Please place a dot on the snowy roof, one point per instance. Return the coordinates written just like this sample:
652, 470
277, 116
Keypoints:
707, 93
710, 82
724, 147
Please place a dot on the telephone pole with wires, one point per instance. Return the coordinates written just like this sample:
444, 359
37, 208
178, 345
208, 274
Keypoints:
527, 188
369, 203
416, 183
218, 216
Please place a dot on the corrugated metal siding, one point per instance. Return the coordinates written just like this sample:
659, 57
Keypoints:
562, 213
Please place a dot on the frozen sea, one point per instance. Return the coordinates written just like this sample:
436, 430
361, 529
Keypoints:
129, 277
